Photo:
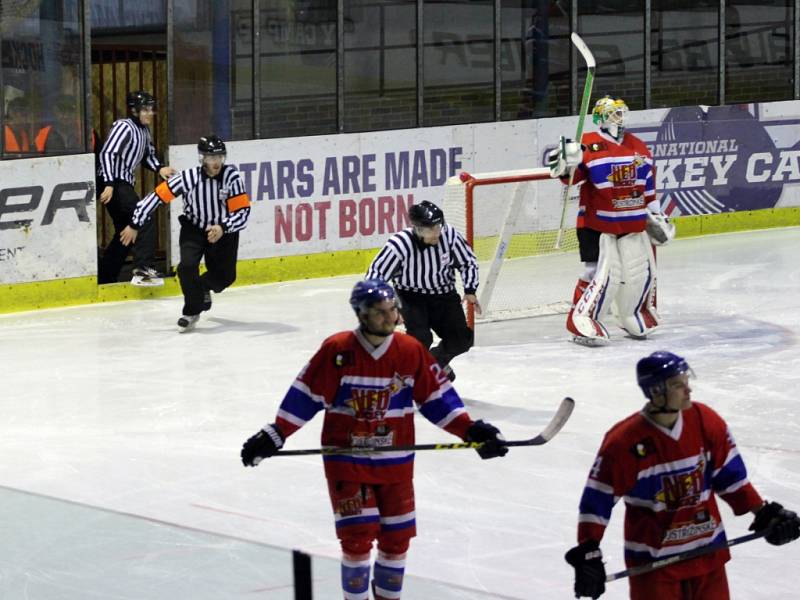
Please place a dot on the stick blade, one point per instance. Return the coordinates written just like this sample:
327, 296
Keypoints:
559, 419
584, 50
555, 425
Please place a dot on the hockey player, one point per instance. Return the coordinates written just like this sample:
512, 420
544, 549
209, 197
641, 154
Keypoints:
617, 198
421, 261
215, 209
668, 462
128, 145
368, 381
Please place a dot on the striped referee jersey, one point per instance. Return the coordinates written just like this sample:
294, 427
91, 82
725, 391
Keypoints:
415, 266
128, 145
207, 201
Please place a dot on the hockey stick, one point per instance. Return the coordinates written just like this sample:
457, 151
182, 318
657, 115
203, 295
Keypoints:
587, 94
664, 562
553, 427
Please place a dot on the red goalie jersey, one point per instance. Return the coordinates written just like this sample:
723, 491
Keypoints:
617, 182
368, 395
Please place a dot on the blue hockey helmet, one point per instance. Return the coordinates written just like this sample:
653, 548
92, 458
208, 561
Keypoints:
368, 292
653, 371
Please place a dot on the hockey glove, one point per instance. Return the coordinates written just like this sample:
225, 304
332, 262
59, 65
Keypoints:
590, 572
491, 438
659, 228
783, 525
262, 445
566, 156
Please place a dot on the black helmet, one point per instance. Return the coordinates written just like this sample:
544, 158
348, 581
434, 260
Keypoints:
136, 100
211, 144
426, 214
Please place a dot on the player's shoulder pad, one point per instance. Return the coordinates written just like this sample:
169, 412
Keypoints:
708, 414
636, 143
620, 435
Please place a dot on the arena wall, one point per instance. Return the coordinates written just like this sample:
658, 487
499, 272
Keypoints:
321, 205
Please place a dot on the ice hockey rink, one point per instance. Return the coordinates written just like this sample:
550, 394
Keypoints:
120, 475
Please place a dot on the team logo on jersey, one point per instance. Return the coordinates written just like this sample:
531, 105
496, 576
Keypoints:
344, 359
597, 147
683, 489
370, 407
644, 448
625, 175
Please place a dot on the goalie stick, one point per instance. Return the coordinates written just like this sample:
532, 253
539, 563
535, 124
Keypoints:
560, 417
588, 57
664, 562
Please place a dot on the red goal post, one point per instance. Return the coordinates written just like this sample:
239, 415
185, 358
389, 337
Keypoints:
511, 220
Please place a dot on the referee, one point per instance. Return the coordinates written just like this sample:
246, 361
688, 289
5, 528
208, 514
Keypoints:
421, 261
127, 146
215, 209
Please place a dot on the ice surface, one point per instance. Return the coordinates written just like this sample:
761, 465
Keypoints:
120, 438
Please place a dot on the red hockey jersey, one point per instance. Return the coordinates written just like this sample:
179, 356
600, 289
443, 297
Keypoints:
368, 395
668, 479
616, 182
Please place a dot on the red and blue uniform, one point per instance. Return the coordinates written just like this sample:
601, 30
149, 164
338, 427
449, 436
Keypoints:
668, 479
369, 396
617, 182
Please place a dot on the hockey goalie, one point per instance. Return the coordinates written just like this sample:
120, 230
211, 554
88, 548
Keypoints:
618, 216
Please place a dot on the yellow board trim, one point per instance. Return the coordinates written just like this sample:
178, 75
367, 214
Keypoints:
19, 297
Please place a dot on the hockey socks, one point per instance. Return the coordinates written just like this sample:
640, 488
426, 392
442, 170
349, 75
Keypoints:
355, 577
388, 580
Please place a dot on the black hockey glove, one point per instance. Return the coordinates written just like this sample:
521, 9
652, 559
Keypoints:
262, 445
784, 525
590, 572
490, 436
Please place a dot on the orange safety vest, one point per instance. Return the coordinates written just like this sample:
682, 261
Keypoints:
11, 143
41, 138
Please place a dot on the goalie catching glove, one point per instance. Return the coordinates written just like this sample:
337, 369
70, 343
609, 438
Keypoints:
262, 445
659, 228
566, 156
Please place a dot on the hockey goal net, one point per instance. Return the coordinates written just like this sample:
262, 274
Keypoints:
512, 223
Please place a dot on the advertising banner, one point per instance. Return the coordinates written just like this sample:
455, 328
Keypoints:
349, 192
47, 219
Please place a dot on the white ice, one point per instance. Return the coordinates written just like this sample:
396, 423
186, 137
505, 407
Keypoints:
119, 452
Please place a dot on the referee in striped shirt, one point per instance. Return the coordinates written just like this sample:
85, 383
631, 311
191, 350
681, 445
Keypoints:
215, 209
421, 261
127, 146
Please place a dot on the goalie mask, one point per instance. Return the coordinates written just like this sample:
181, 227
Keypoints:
610, 115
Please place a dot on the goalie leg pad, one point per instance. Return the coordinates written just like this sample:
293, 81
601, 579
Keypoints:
638, 276
590, 310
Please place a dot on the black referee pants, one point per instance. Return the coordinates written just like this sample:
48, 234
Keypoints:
120, 208
220, 264
441, 313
